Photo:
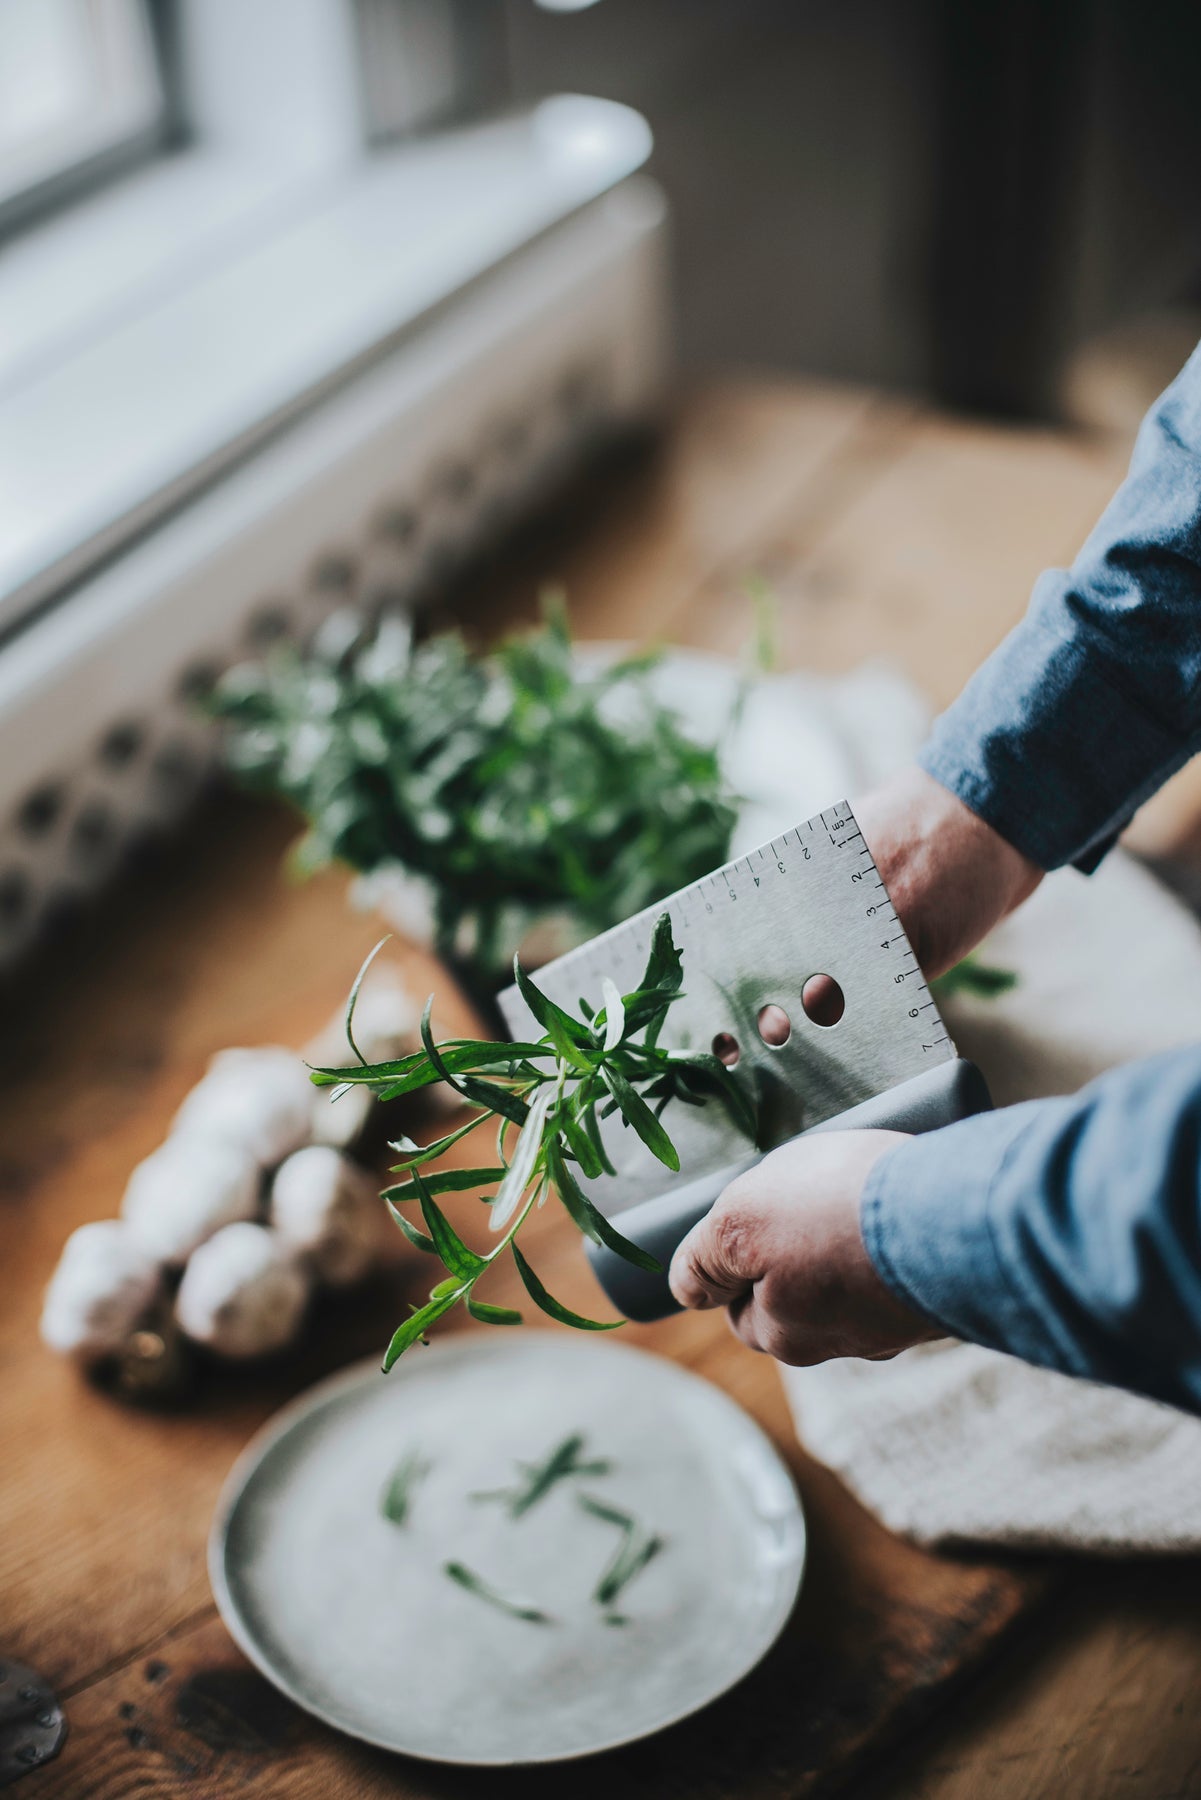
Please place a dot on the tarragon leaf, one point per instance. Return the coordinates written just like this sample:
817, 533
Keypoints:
493, 1315
568, 1035
591, 1221
580, 1144
353, 1001
520, 1171
443, 1181
709, 1076
415, 1235
498, 1099
664, 963
615, 1015
456, 1256
415, 1328
555, 1308
637, 1113
412, 1153
406, 1074
592, 1126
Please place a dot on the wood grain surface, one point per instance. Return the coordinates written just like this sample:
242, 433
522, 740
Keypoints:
885, 530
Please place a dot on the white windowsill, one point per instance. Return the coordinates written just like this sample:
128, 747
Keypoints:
181, 318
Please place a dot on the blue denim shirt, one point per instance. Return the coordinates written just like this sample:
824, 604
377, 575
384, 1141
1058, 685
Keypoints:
1069, 1231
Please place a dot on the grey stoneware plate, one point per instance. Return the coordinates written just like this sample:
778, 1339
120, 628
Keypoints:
354, 1617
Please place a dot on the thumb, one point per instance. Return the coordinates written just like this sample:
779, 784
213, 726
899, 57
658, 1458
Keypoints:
720, 1260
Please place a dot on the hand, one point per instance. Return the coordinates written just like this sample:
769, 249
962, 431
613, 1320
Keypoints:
783, 1251
950, 876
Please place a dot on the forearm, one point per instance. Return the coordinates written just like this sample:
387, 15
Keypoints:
1067, 1232
1095, 699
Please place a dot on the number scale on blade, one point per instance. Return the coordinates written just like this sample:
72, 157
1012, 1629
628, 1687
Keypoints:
810, 902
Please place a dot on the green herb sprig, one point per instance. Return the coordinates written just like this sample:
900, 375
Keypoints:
547, 1098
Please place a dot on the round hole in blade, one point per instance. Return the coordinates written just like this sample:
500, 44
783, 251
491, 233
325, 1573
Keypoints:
775, 1027
823, 1000
726, 1050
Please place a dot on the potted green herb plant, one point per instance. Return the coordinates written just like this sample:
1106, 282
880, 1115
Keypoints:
518, 799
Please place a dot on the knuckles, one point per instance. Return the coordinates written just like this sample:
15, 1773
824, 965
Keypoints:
731, 1234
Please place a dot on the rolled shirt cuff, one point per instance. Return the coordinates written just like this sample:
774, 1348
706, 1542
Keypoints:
1045, 746
926, 1224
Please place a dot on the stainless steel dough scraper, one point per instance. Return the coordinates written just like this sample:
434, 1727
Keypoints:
753, 935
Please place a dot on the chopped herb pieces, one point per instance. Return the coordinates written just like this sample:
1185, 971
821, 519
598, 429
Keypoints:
635, 1551
397, 1497
636, 1548
612, 1515
538, 1479
483, 1590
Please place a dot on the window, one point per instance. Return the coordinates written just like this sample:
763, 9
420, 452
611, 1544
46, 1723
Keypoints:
80, 91
316, 204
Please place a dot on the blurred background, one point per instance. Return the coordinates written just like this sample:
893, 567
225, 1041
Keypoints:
303, 303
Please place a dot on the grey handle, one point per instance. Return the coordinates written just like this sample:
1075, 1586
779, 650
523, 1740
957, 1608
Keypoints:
954, 1090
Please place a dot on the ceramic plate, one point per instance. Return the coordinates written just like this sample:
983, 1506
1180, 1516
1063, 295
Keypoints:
355, 1618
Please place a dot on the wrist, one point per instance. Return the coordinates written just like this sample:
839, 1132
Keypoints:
950, 875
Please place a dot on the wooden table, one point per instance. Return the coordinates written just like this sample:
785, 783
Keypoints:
885, 531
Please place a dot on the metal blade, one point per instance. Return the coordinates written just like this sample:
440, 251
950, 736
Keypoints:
752, 933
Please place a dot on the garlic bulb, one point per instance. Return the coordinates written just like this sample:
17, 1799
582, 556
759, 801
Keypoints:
386, 1026
185, 1191
105, 1283
243, 1293
259, 1099
340, 1122
407, 901
326, 1208
387, 1022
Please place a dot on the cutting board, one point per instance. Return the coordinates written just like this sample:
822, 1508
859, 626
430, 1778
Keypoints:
104, 1510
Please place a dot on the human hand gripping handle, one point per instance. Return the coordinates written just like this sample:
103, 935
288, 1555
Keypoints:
782, 1251
951, 879
938, 1097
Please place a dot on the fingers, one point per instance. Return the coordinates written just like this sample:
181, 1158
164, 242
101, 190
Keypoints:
720, 1259
783, 1251
749, 1322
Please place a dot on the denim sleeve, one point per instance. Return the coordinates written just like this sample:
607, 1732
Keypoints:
1095, 698
1067, 1232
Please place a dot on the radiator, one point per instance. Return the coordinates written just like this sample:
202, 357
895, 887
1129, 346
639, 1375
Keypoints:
369, 500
